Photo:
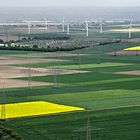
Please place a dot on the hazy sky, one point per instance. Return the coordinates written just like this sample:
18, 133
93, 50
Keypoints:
125, 3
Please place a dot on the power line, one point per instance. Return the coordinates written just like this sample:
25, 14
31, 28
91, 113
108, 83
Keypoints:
88, 129
79, 60
3, 107
29, 76
56, 72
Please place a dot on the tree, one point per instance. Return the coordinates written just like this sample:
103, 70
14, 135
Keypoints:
1, 41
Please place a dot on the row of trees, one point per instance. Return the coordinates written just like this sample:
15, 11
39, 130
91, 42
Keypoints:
109, 42
42, 49
51, 47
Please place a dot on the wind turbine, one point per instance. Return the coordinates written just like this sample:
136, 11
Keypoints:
130, 29
68, 29
29, 27
46, 25
87, 29
63, 25
101, 26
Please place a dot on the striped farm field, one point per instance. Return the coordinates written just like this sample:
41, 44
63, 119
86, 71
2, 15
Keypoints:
137, 48
104, 96
26, 109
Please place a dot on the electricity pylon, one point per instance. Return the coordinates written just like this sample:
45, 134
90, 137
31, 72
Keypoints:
88, 130
3, 107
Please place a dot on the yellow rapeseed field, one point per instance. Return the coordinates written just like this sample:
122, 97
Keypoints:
34, 108
137, 48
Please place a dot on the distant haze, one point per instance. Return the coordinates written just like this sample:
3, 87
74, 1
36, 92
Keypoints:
124, 3
69, 13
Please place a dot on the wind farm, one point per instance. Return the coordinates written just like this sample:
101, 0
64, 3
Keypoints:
69, 78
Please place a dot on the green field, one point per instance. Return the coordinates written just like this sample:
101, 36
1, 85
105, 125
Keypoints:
112, 101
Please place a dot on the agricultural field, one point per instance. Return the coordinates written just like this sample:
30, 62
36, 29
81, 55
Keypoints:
26, 109
137, 48
102, 82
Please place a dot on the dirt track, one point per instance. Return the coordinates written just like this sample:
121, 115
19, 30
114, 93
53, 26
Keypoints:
136, 72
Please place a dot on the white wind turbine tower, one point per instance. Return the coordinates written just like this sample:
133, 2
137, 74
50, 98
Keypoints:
68, 29
63, 25
130, 29
101, 26
87, 29
46, 25
29, 27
